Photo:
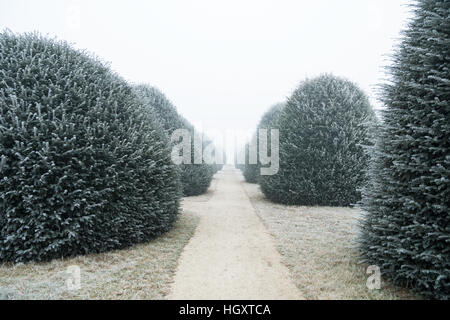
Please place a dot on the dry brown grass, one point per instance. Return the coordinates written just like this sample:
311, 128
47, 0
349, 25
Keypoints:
143, 271
318, 246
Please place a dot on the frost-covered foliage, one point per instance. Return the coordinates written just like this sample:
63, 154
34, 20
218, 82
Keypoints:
321, 160
84, 167
195, 178
270, 117
407, 227
252, 172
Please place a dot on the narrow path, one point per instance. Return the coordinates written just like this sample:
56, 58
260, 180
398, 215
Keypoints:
231, 255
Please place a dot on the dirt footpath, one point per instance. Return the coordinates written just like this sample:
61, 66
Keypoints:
231, 255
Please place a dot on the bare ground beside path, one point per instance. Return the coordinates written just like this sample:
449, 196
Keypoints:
318, 246
231, 255
143, 271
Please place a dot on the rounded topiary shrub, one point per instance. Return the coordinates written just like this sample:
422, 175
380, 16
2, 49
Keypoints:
249, 170
269, 118
406, 231
322, 127
252, 172
195, 178
84, 167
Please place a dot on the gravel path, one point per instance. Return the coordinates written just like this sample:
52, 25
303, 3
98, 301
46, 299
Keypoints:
231, 255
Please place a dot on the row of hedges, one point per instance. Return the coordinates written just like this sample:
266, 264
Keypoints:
195, 178
323, 127
85, 165
333, 151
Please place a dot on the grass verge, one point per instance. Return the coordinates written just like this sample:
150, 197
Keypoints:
318, 246
144, 271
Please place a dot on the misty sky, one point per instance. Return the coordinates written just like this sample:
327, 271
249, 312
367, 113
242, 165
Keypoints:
224, 63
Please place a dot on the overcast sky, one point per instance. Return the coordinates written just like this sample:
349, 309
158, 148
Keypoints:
224, 63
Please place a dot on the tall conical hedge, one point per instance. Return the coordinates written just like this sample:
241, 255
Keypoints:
84, 167
252, 172
321, 159
407, 227
195, 178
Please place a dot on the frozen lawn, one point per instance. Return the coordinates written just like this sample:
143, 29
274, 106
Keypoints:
317, 244
143, 271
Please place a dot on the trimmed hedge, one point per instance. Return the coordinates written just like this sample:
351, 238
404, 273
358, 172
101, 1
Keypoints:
84, 167
322, 127
217, 167
269, 119
195, 178
252, 171
407, 227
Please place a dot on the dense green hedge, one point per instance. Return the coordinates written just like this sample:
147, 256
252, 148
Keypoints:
321, 160
407, 228
269, 118
84, 167
252, 172
195, 178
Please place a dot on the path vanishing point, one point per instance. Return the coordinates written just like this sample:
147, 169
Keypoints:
231, 255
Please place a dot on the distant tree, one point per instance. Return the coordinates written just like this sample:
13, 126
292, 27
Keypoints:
322, 128
406, 231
